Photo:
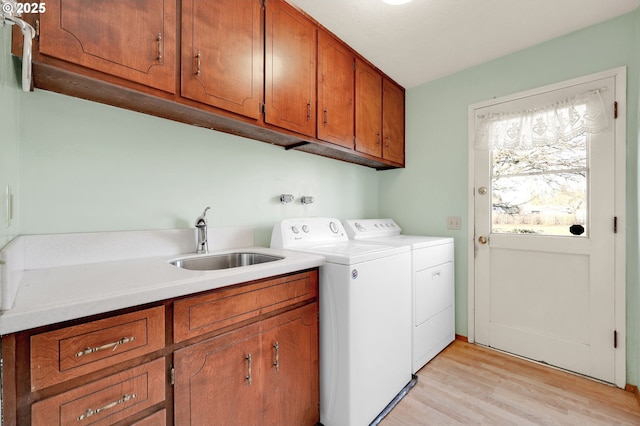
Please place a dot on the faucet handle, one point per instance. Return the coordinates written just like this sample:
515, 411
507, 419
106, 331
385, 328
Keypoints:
202, 219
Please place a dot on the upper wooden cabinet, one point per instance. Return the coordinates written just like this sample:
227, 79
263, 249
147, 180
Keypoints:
222, 54
261, 69
336, 85
290, 72
392, 122
134, 40
379, 115
368, 109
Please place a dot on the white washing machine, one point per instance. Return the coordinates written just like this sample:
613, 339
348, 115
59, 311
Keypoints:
365, 305
433, 291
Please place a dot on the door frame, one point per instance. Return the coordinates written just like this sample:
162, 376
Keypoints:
620, 128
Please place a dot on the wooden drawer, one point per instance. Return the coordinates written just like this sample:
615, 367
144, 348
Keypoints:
198, 315
71, 352
159, 418
105, 401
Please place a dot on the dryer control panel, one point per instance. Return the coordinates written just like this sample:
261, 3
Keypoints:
370, 228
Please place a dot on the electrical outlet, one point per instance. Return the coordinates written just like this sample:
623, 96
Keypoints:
454, 222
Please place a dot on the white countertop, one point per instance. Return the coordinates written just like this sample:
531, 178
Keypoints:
52, 294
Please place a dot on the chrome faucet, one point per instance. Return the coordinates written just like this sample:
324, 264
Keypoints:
201, 226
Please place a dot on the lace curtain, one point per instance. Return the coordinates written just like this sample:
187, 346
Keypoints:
565, 120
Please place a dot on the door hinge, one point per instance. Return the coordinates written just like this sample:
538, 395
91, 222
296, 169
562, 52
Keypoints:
354, 64
615, 224
615, 110
9, 205
172, 376
615, 339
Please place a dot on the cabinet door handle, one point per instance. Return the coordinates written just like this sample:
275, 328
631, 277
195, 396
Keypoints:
308, 111
378, 138
326, 117
386, 141
160, 48
248, 358
90, 412
198, 63
113, 345
276, 359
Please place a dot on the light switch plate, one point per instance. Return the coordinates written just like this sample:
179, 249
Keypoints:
454, 222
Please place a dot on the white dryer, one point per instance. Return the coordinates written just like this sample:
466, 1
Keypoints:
365, 333
432, 271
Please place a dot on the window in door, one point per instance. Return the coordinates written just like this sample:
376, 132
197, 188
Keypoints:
542, 190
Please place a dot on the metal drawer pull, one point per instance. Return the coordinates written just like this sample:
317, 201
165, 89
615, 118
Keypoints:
160, 47
90, 412
113, 345
276, 361
248, 358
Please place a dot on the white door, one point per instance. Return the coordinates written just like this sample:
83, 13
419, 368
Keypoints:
545, 242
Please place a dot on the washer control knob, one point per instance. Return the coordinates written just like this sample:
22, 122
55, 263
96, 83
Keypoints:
359, 227
305, 229
333, 227
295, 229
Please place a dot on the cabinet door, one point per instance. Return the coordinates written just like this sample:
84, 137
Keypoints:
290, 368
290, 72
336, 85
368, 109
392, 122
222, 54
217, 381
132, 39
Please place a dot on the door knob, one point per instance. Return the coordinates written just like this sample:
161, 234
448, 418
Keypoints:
482, 239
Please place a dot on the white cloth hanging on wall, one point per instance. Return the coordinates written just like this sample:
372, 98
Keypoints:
562, 121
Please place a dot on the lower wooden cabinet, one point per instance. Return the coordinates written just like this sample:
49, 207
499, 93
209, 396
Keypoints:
159, 418
66, 353
240, 355
218, 381
265, 373
290, 368
105, 401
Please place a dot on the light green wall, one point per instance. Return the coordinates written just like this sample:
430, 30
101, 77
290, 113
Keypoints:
435, 183
90, 167
9, 93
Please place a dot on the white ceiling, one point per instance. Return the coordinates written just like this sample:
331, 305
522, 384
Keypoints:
428, 39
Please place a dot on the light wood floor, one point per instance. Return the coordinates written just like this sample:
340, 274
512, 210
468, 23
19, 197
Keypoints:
469, 384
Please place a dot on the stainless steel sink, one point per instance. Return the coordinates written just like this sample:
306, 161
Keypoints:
223, 261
